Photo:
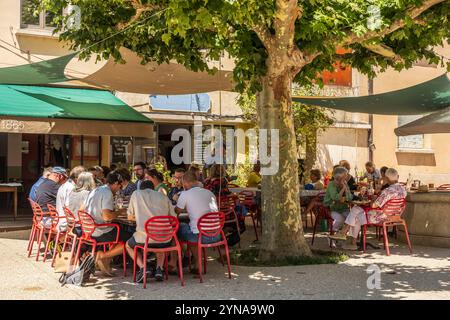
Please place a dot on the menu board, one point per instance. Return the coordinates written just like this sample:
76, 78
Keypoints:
121, 148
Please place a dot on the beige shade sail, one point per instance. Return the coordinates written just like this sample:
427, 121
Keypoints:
167, 78
76, 127
438, 122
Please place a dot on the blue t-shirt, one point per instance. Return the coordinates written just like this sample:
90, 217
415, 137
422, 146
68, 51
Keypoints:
34, 188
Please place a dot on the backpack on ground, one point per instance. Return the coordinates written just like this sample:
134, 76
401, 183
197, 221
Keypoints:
80, 275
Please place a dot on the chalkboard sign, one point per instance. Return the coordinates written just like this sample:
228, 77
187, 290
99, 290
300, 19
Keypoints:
121, 149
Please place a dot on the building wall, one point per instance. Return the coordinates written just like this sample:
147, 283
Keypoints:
431, 164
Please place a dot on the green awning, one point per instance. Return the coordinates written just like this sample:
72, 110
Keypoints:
70, 111
43, 72
427, 97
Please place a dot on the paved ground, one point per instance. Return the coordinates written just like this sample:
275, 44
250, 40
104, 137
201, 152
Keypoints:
424, 275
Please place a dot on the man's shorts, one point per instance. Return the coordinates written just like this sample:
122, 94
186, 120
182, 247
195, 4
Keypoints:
159, 245
111, 236
185, 234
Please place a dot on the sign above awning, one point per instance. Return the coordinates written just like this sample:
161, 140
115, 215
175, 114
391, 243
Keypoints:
426, 97
51, 110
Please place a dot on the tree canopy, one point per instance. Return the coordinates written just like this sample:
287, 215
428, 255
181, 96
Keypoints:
380, 33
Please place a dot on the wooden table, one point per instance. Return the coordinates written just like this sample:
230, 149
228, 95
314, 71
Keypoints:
11, 188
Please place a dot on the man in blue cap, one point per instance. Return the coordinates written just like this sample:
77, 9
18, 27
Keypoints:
47, 191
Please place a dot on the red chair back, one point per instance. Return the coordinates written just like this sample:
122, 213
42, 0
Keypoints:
444, 187
233, 185
53, 214
87, 224
211, 224
394, 207
247, 197
38, 214
227, 205
323, 211
161, 228
71, 220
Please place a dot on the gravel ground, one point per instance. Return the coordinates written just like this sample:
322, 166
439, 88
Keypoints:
423, 275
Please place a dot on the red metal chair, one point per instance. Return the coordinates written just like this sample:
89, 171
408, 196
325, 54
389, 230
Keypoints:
247, 200
161, 229
227, 205
393, 209
37, 229
444, 187
54, 231
210, 225
69, 236
322, 213
88, 227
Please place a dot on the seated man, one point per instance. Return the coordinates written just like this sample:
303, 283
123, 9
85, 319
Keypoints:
254, 178
100, 205
357, 216
196, 202
175, 191
145, 204
45, 175
46, 193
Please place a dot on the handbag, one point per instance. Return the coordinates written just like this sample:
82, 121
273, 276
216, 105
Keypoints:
62, 262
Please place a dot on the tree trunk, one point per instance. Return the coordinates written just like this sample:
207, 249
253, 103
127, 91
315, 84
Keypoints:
311, 153
282, 226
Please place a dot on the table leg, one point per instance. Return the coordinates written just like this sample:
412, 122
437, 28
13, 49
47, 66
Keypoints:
15, 204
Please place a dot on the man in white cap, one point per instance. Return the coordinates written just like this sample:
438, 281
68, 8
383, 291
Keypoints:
48, 189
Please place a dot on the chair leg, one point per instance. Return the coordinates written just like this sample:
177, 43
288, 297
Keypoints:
364, 237
134, 264
77, 257
47, 246
386, 243
228, 260
58, 234
199, 261
65, 241
238, 230
72, 251
124, 255
314, 229
144, 260
254, 226
180, 267
204, 259
220, 254
407, 237
31, 238
35, 236
41, 233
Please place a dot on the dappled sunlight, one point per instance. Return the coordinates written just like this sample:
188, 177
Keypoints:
264, 277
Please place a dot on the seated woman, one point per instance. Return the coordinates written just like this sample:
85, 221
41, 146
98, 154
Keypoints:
315, 183
350, 179
336, 197
217, 183
357, 216
157, 179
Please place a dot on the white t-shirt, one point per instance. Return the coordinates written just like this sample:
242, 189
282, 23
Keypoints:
197, 202
62, 197
99, 199
145, 204
62, 200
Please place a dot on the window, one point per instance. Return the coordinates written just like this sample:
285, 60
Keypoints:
31, 17
410, 142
